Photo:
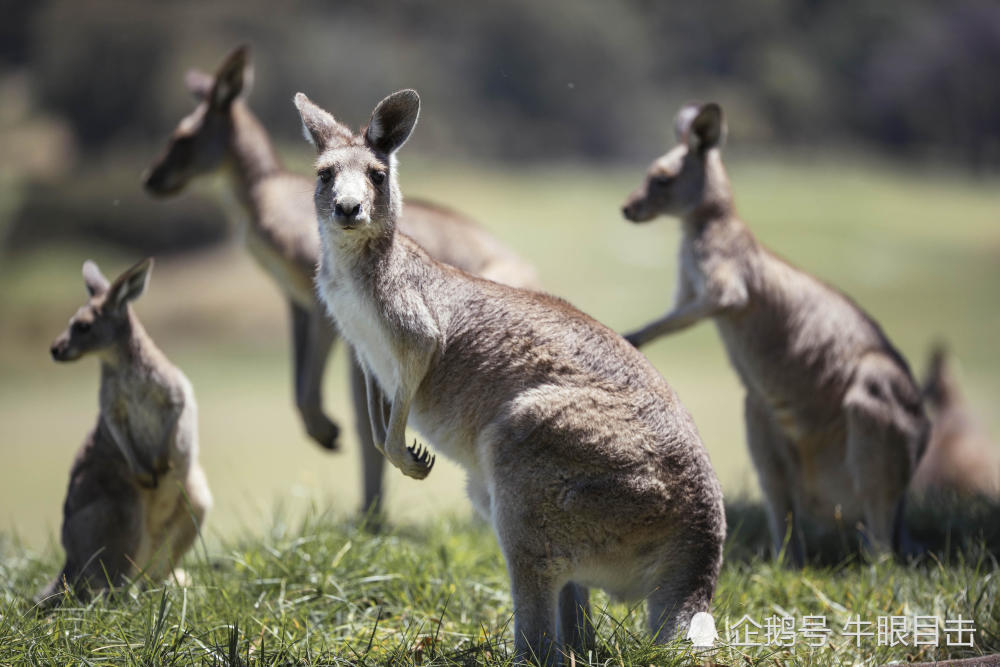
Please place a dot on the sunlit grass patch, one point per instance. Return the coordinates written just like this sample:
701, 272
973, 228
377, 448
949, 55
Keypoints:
326, 590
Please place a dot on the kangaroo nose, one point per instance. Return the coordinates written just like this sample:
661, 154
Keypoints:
348, 209
54, 351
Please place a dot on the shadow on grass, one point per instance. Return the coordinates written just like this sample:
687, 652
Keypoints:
948, 526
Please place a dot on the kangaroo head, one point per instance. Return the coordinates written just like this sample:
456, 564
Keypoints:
357, 194
682, 179
104, 319
200, 141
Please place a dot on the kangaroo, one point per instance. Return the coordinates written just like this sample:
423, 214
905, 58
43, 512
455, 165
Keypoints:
960, 456
577, 451
222, 133
137, 496
833, 417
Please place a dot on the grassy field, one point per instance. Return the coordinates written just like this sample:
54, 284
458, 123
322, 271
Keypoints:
323, 591
921, 251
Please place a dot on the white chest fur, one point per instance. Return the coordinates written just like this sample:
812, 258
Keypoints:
364, 327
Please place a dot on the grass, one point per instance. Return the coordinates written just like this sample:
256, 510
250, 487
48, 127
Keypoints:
324, 590
918, 250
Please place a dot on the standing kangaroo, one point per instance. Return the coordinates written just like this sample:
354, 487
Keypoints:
833, 416
577, 451
960, 455
281, 234
137, 496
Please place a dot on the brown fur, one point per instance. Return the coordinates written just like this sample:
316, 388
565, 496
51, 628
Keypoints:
834, 419
281, 235
960, 457
137, 496
577, 451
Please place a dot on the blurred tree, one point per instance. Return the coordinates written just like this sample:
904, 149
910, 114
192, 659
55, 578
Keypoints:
523, 80
95, 62
935, 86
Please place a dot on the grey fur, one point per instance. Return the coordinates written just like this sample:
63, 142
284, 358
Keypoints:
137, 496
281, 235
834, 419
577, 451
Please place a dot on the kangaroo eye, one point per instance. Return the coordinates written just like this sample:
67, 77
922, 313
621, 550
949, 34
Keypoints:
81, 327
663, 181
325, 175
378, 177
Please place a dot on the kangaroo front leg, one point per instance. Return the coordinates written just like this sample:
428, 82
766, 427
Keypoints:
679, 318
413, 460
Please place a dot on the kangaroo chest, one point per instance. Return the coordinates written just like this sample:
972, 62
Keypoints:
364, 327
141, 415
695, 266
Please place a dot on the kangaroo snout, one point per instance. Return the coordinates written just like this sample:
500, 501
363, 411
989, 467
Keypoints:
347, 209
634, 211
60, 350
156, 181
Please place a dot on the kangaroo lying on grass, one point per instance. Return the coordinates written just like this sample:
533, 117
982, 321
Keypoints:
577, 451
281, 234
833, 417
960, 456
137, 496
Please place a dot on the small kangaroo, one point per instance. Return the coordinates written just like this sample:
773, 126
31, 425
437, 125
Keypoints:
577, 451
222, 132
833, 417
960, 455
137, 496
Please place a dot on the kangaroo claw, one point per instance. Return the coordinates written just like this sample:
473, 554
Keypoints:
422, 460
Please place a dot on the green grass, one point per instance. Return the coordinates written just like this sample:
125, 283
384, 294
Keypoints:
323, 590
920, 251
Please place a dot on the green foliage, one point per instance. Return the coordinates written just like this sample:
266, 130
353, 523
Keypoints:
531, 80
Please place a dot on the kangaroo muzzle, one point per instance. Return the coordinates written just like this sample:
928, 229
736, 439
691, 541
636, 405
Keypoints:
636, 207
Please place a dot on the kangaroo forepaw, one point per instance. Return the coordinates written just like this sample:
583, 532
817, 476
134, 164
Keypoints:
633, 339
420, 461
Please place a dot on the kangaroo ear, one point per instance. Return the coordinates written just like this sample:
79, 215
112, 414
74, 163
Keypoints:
392, 121
231, 78
93, 278
682, 121
708, 128
198, 83
318, 126
937, 378
131, 284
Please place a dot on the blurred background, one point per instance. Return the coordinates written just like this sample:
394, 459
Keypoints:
864, 145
